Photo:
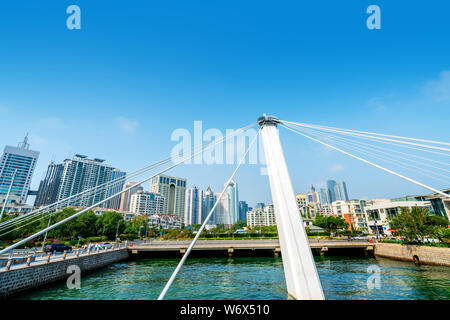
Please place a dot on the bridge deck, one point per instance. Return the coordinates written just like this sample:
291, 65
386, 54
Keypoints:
256, 244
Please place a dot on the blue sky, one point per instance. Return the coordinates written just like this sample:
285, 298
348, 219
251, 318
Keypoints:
138, 70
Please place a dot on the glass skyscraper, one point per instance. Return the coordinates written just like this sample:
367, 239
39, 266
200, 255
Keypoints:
119, 178
80, 174
22, 159
336, 191
209, 199
48, 188
330, 185
227, 211
243, 209
194, 206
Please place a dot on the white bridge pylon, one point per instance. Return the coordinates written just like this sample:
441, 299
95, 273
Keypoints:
302, 279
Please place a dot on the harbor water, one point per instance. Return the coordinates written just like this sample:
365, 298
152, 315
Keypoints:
259, 278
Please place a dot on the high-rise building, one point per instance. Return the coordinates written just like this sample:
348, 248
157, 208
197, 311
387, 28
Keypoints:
22, 159
313, 195
302, 202
146, 203
340, 189
126, 196
80, 174
194, 206
325, 197
337, 191
173, 189
118, 181
48, 188
209, 199
227, 211
243, 208
330, 185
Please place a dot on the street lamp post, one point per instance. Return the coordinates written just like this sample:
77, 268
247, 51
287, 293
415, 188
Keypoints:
7, 195
376, 228
45, 237
117, 230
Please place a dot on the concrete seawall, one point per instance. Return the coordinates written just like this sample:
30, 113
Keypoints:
418, 254
21, 278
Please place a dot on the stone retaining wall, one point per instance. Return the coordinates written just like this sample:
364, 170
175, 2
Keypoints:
422, 254
22, 278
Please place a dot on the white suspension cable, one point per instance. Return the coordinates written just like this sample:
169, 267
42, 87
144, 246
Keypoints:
369, 150
401, 146
372, 133
371, 163
19, 243
372, 137
188, 251
392, 161
391, 150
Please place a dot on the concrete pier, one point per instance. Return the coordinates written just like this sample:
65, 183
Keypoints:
418, 254
265, 247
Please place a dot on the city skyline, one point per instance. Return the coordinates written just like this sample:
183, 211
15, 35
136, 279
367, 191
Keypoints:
44, 196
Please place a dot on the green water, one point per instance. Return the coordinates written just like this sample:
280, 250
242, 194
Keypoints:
253, 278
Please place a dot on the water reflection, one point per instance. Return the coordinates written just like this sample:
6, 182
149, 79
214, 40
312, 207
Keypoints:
253, 278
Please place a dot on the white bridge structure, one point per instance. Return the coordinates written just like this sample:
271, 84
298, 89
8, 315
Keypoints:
302, 279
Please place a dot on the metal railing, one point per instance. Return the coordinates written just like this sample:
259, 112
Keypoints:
29, 257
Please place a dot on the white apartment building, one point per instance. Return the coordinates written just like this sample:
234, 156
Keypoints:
353, 213
147, 203
324, 210
14, 205
165, 221
261, 217
379, 211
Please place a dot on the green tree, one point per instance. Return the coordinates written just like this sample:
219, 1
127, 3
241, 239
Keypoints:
136, 224
106, 224
442, 233
239, 225
330, 223
195, 226
417, 223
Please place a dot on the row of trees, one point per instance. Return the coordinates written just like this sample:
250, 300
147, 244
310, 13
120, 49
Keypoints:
88, 224
412, 224
419, 223
221, 231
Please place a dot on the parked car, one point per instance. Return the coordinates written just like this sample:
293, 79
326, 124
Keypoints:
57, 247
106, 245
